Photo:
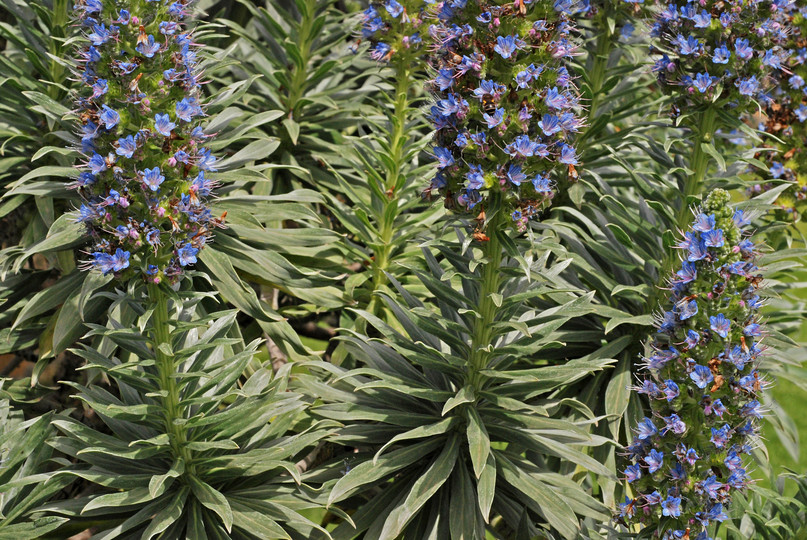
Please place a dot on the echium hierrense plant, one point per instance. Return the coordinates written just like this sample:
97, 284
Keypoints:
145, 178
505, 103
703, 383
718, 49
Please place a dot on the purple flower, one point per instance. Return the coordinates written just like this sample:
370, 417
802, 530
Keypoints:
674, 424
713, 238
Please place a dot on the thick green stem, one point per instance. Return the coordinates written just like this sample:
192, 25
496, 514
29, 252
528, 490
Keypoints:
299, 74
486, 306
392, 181
597, 78
698, 163
165, 374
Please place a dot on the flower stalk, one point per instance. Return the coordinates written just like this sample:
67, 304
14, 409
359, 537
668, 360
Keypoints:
488, 288
166, 371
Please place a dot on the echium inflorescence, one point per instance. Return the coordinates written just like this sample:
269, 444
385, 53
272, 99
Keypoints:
786, 118
703, 383
393, 26
145, 177
718, 49
505, 103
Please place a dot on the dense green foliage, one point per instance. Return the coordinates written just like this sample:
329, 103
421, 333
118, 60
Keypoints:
350, 358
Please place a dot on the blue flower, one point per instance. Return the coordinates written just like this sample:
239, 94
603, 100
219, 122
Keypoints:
99, 35
506, 45
671, 506
704, 81
475, 177
187, 109
494, 119
109, 117
549, 124
187, 255
671, 390
163, 124
688, 309
689, 45
702, 19
687, 273
693, 338
777, 169
394, 8
100, 88
743, 49
633, 473
126, 146
522, 147
567, 155
720, 325
720, 436
515, 175
713, 238
701, 376
748, 86
97, 164
654, 460
153, 179
645, 429
444, 157
148, 47
721, 55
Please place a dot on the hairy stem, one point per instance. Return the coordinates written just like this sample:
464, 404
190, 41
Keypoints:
165, 374
486, 306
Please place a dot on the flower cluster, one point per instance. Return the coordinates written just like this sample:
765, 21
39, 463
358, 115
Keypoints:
786, 118
145, 177
703, 382
505, 103
393, 26
719, 49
